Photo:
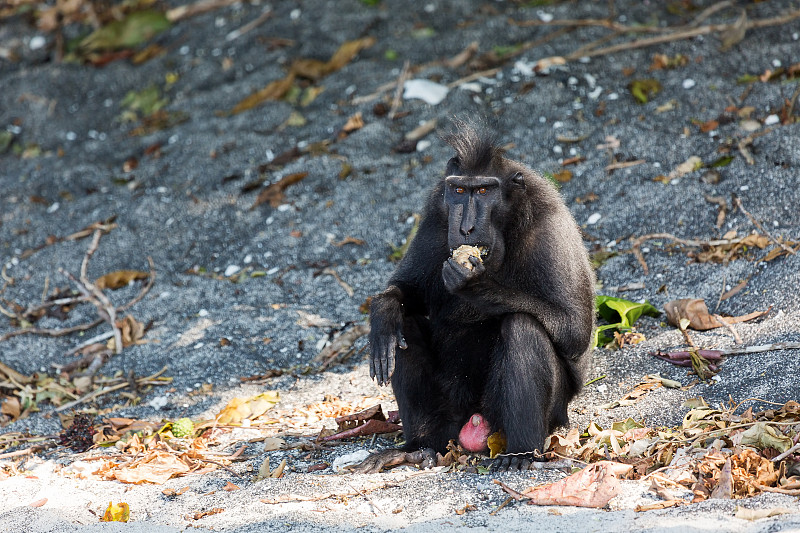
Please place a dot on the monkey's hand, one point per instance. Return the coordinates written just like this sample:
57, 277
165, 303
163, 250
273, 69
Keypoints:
386, 335
457, 276
424, 458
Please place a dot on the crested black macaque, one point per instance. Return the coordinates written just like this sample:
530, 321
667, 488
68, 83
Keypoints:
499, 341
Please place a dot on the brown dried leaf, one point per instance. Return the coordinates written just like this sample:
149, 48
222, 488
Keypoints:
274, 193
593, 486
120, 278
354, 123
349, 240
11, 407
274, 91
157, 467
696, 311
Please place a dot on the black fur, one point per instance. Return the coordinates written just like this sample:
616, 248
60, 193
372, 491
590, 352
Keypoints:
508, 338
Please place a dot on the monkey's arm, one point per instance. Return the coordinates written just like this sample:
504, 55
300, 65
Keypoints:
567, 317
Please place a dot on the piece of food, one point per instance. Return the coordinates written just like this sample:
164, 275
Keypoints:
464, 252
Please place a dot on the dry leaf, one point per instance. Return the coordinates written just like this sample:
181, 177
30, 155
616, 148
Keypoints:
274, 193
658, 505
157, 467
272, 444
355, 122
274, 91
230, 487
734, 33
120, 278
349, 240
239, 409
593, 486
39, 503
696, 312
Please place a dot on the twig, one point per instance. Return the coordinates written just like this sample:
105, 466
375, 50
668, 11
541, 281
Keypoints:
787, 453
474, 76
103, 305
235, 34
84, 344
150, 282
790, 492
219, 465
397, 101
190, 10
624, 164
499, 507
51, 332
368, 498
738, 203
28, 451
710, 10
513, 493
100, 392
775, 346
677, 34
736, 338
792, 101
605, 23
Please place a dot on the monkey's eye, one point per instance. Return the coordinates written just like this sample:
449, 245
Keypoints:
459, 190
482, 190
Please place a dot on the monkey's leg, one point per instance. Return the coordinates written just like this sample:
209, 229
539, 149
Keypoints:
525, 384
429, 418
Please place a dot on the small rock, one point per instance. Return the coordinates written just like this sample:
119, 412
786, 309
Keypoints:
689, 83
430, 92
711, 177
750, 125
594, 218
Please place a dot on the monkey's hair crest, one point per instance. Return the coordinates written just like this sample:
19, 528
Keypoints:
475, 145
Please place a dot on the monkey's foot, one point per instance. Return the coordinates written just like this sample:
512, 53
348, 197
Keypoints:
519, 461
424, 458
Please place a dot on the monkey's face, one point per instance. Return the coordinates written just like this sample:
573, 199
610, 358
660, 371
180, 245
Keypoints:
471, 203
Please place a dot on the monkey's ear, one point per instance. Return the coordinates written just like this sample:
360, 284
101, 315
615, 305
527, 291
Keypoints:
518, 180
453, 167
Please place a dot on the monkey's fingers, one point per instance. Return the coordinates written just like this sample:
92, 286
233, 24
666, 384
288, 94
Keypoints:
385, 359
401, 341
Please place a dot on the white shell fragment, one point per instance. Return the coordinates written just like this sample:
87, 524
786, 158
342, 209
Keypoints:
430, 92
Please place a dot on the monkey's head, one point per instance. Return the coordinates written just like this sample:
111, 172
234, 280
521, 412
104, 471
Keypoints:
481, 188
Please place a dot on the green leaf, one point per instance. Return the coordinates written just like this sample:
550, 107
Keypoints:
623, 312
133, 30
644, 89
723, 161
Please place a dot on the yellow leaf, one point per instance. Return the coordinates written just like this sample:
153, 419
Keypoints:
116, 513
496, 443
239, 408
